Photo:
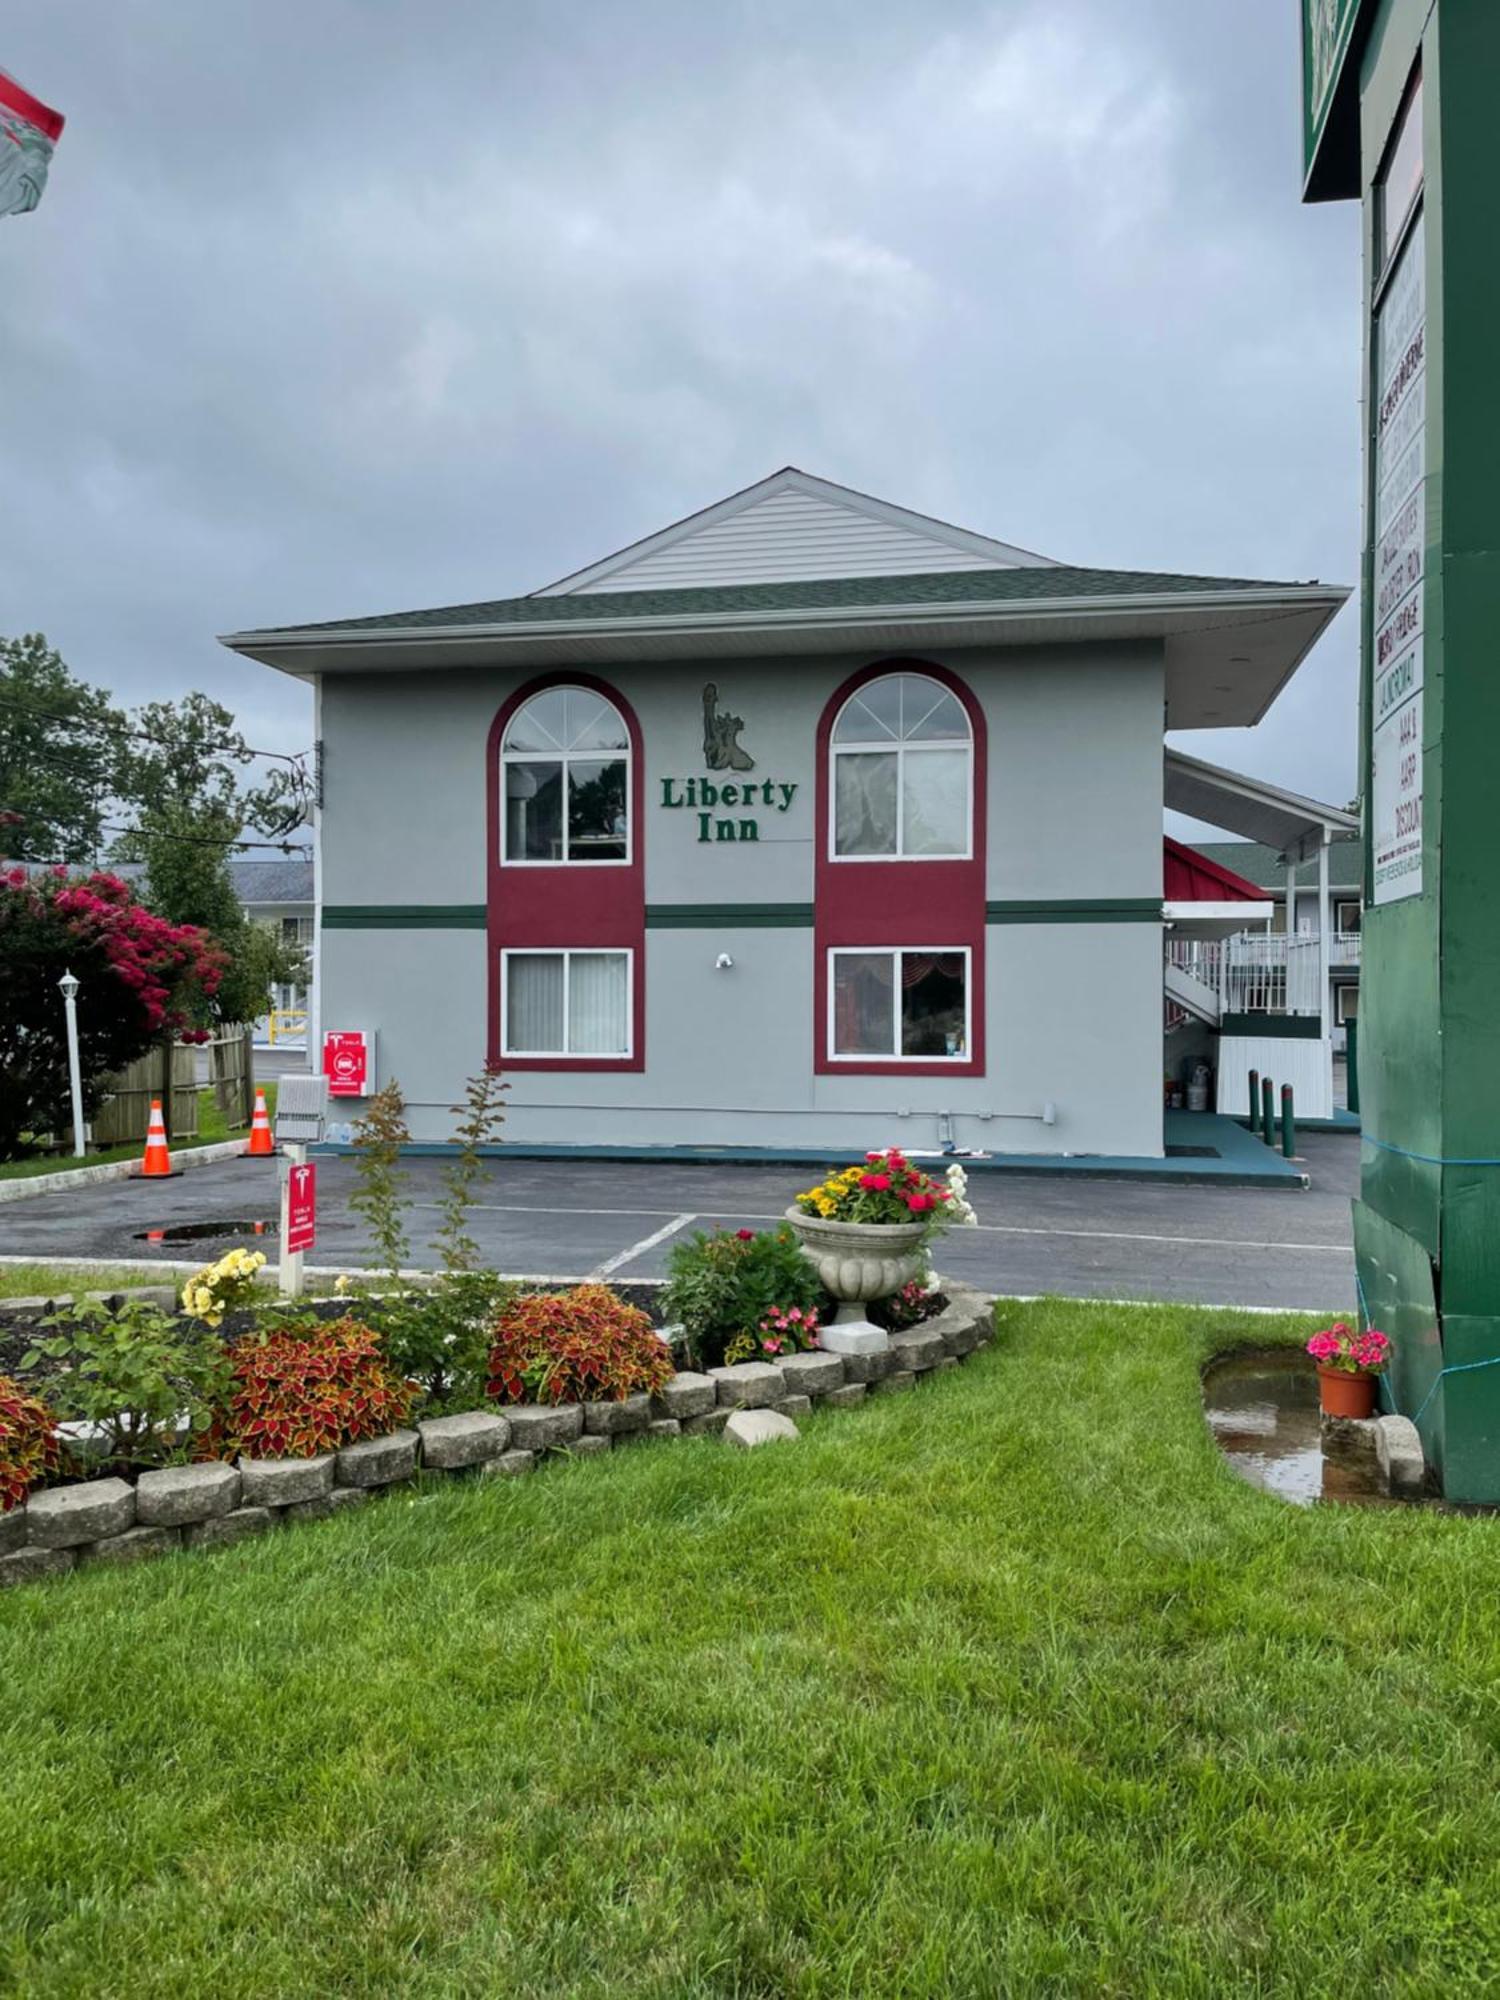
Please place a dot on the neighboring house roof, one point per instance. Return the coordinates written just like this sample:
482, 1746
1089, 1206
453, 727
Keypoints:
1189, 876
1261, 866
286, 878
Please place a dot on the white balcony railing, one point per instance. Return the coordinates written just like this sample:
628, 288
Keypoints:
1256, 973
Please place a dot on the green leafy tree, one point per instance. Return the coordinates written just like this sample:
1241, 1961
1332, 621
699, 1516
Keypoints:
60, 755
181, 777
141, 978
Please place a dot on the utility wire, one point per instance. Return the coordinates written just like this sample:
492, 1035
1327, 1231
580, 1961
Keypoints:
180, 839
123, 728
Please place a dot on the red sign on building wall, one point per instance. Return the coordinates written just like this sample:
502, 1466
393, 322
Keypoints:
301, 1209
346, 1062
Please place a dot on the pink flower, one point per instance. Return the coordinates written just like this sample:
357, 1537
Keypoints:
918, 1203
876, 1183
745, 1235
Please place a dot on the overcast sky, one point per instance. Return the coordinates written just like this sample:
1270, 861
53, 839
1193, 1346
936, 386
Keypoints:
360, 305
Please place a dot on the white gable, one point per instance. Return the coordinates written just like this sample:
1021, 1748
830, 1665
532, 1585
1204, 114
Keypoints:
788, 528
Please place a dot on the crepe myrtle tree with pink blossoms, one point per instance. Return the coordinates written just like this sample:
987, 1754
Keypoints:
142, 978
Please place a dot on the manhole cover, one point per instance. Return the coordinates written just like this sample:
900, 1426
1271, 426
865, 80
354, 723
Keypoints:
208, 1232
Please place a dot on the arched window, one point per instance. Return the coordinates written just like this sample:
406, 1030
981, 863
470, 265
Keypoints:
565, 764
903, 773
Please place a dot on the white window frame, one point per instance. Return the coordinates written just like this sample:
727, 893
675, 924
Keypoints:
901, 750
566, 758
567, 952
868, 1056
1341, 993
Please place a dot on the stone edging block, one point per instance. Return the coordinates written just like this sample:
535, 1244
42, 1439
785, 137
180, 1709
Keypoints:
215, 1505
748, 1385
178, 1494
278, 1482
380, 1461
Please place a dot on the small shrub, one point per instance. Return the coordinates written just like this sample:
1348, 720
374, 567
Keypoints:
222, 1287
480, 1117
309, 1387
721, 1286
441, 1337
785, 1330
147, 1384
922, 1299
28, 1443
582, 1346
378, 1194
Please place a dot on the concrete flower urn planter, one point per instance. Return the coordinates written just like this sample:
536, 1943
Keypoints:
857, 1262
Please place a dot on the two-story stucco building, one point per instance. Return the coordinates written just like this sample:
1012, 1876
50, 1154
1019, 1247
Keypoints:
808, 821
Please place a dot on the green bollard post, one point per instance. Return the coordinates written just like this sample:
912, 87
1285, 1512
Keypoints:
1268, 1111
1288, 1124
1254, 1097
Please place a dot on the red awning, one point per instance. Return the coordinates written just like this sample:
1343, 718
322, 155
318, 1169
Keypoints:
1190, 877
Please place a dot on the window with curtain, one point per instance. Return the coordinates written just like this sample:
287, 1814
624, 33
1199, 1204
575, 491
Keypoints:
565, 768
567, 1003
890, 1006
902, 773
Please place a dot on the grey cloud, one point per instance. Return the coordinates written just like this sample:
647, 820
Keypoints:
338, 308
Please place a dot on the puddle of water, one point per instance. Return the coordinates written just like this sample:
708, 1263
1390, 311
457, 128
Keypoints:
240, 1229
1263, 1412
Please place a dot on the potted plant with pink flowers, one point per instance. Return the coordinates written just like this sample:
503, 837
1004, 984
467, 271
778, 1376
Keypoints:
1349, 1361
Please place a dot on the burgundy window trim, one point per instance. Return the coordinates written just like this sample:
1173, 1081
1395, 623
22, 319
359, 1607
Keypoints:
888, 902
572, 906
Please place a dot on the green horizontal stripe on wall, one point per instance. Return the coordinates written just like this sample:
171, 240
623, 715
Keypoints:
729, 916
1273, 1027
403, 916
1079, 910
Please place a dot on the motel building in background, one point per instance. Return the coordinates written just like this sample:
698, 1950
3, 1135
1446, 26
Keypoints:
809, 822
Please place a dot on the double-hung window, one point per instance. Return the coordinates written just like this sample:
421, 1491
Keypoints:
899, 1005
566, 769
903, 769
566, 1003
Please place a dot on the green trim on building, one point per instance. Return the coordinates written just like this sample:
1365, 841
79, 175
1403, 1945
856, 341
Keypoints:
1078, 910
734, 916
403, 917
1273, 1027
729, 916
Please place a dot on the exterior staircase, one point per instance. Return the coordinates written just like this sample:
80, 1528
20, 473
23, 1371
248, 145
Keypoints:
1191, 995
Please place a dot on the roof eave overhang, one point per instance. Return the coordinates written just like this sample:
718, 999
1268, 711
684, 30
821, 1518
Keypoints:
602, 637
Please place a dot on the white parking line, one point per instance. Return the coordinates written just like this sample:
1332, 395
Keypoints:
639, 1249
982, 1229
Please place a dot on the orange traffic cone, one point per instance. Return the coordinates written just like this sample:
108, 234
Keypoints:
262, 1145
156, 1160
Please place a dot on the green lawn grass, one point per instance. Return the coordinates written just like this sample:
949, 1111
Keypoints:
46, 1281
212, 1128
1006, 1686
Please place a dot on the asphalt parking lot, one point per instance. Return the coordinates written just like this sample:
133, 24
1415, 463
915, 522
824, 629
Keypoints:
573, 1219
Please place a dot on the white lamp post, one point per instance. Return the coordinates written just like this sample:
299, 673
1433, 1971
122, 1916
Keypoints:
70, 987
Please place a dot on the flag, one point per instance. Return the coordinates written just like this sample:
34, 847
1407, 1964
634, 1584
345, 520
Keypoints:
28, 132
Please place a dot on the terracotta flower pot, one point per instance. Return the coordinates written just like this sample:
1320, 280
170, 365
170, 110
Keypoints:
1341, 1394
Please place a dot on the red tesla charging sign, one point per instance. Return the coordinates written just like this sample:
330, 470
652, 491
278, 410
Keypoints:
301, 1208
346, 1063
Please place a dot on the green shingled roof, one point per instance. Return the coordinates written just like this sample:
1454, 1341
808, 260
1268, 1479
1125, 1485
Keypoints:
973, 586
1262, 866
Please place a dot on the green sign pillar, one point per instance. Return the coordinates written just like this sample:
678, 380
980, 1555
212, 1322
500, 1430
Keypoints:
1399, 111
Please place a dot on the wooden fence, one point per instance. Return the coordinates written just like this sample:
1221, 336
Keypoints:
124, 1114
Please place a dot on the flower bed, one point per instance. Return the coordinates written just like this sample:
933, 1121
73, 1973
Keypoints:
212, 1504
